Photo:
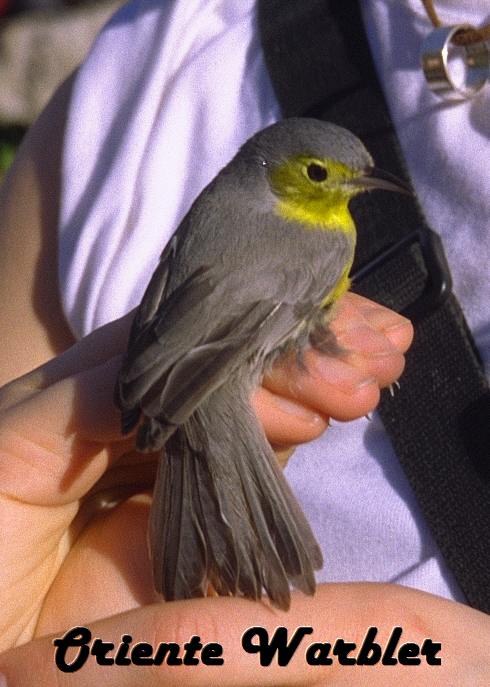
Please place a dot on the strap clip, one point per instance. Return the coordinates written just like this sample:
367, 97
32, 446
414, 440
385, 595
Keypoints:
438, 285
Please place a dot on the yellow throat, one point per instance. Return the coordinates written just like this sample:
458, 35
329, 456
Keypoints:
315, 194
315, 203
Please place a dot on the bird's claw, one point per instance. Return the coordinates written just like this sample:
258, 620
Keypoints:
392, 387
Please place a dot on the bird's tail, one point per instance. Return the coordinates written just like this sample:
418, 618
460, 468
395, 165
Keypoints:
223, 512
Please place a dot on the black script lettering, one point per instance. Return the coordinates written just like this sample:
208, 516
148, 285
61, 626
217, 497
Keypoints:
388, 659
190, 648
211, 654
121, 658
407, 654
278, 644
429, 650
317, 654
170, 648
370, 651
100, 650
76, 637
342, 649
142, 654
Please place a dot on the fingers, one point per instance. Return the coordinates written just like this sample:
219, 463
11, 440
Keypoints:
396, 327
287, 422
345, 387
59, 441
67, 418
93, 350
374, 337
102, 344
61, 420
331, 386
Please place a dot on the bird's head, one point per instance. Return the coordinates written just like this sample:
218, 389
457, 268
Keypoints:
314, 169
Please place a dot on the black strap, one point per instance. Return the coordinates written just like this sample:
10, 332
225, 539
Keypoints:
439, 421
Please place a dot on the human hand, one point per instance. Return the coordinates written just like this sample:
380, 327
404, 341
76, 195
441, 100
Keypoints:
295, 404
63, 459
68, 558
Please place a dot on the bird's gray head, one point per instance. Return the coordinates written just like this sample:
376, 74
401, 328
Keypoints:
302, 137
313, 169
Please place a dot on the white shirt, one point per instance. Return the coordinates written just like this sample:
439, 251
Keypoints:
168, 93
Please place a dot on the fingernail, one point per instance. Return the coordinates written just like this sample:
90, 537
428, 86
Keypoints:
3, 680
383, 318
347, 377
365, 340
292, 408
394, 330
401, 321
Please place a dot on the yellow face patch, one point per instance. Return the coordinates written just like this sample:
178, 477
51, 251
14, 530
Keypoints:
314, 192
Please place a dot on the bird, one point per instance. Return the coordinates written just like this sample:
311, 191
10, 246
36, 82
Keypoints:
252, 272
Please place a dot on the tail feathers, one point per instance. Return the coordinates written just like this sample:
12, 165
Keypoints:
230, 570
295, 520
129, 419
176, 537
279, 513
153, 434
192, 543
223, 513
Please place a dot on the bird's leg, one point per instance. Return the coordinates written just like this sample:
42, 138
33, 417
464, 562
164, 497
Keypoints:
323, 339
300, 359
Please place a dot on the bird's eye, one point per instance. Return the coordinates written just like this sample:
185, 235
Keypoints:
316, 172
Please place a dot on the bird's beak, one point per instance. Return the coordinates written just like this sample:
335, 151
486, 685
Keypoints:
377, 178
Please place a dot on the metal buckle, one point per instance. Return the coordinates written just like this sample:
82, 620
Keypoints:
435, 64
438, 284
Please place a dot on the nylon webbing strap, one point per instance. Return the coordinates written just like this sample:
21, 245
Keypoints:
439, 421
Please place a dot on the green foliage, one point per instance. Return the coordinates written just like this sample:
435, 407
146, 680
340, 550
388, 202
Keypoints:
10, 137
7, 154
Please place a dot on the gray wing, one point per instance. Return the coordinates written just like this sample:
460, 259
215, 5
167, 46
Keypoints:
205, 313
194, 340
155, 291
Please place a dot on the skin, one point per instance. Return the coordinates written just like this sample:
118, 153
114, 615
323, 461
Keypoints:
68, 559
74, 497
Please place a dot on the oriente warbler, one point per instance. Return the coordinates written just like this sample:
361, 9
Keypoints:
251, 272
